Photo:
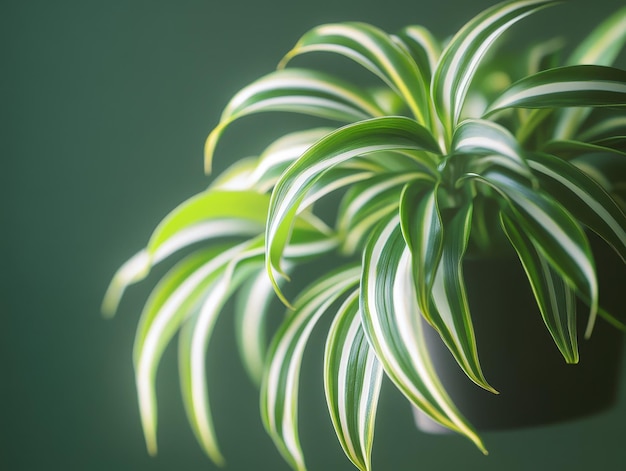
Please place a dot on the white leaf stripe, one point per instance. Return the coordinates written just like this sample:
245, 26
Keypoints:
299, 80
612, 219
391, 322
461, 57
195, 337
365, 137
558, 235
280, 383
157, 328
557, 305
376, 51
352, 383
252, 304
535, 93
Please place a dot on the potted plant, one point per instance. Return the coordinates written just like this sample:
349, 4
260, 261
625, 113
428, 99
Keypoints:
454, 159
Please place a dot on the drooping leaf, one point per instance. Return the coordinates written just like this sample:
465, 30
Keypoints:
295, 90
555, 299
578, 85
449, 312
195, 336
391, 322
376, 51
365, 137
279, 389
463, 54
172, 300
553, 230
352, 380
208, 215
583, 197
280, 154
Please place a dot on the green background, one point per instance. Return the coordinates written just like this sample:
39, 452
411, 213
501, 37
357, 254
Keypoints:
105, 108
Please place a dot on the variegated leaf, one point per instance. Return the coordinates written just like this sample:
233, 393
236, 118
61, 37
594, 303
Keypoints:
295, 90
210, 214
376, 51
172, 300
391, 321
352, 380
463, 54
366, 137
578, 85
554, 231
279, 389
601, 47
555, 298
496, 143
194, 339
583, 198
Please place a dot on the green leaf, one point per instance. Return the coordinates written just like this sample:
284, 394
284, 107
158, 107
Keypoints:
178, 294
251, 311
279, 390
377, 52
578, 85
210, 214
585, 199
391, 321
195, 336
481, 137
367, 203
423, 47
352, 380
295, 90
568, 149
556, 300
554, 231
280, 154
365, 137
463, 54
449, 312
601, 47
422, 229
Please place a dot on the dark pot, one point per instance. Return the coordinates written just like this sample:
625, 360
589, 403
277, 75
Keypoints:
519, 357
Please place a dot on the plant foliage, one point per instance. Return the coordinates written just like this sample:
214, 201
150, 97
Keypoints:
435, 165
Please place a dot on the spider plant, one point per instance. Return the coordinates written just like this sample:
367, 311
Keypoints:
453, 154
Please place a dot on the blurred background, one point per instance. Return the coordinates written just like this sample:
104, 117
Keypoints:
105, 108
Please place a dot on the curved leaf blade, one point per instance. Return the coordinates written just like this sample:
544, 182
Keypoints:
279, 389
391, 322
172, 300
555, 233
352, 381
578, 85
295, 90
365, 137
463, 54
481, 137
210, 214
449, 312
422, 229
194, 339
555, 299
251, 311
601, 47
376, 51
585, 199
